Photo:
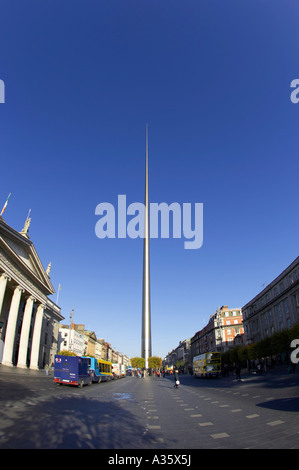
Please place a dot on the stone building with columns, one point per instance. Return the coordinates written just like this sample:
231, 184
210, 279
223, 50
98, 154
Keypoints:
29, 320
275, 308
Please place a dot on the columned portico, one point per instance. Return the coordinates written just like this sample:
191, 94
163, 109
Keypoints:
11, 326
28, 317
3, 281
36, 337
23, 347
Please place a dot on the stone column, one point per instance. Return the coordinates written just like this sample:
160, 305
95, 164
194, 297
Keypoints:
11, 326
23, 347
3, 281
36, 337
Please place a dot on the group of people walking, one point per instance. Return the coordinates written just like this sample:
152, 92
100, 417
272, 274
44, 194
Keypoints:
157, 373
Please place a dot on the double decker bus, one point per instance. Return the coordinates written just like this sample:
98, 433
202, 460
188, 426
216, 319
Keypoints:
207, 365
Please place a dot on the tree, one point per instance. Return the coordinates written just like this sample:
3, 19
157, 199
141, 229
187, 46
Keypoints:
278, 343
265, 347
179, 364
252, 351
281, 342
137, 362
66, 353
242, 354
155, 362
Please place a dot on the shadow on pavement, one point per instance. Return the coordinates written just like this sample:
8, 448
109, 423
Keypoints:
276, 379
281, 404
15, 391
68, 422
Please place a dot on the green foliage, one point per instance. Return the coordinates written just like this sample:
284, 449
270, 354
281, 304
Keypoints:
253, 352
179, 363
155, 362
137, 362
66, 353
281, 341
278, 343
242, 353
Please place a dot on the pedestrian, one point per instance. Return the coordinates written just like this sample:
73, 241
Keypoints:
176, 379
47, 369
225, 371
238, 371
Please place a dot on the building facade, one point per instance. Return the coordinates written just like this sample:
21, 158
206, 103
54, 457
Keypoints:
180, 355
100, 348
92, 346
229, 329
70, 340
29, 320
275, 308
223, 331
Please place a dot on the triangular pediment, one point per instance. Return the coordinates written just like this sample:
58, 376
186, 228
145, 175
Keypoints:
23, 252
91, 334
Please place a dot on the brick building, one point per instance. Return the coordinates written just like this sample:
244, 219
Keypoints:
224, 330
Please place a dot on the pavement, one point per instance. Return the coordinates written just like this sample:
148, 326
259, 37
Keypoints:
280, 369
261, 411
19, 371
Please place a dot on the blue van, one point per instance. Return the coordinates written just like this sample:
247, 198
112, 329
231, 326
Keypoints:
71, 370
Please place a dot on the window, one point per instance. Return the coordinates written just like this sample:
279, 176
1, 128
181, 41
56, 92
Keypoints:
270, 316
286, 307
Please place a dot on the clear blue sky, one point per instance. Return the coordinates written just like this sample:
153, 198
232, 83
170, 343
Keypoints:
212, 80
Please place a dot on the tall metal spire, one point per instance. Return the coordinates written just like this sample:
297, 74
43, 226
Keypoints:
146, 340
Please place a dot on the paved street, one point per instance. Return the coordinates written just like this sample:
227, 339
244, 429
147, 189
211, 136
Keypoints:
132, 413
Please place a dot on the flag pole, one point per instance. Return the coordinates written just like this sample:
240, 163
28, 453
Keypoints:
4, 207
59, 289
